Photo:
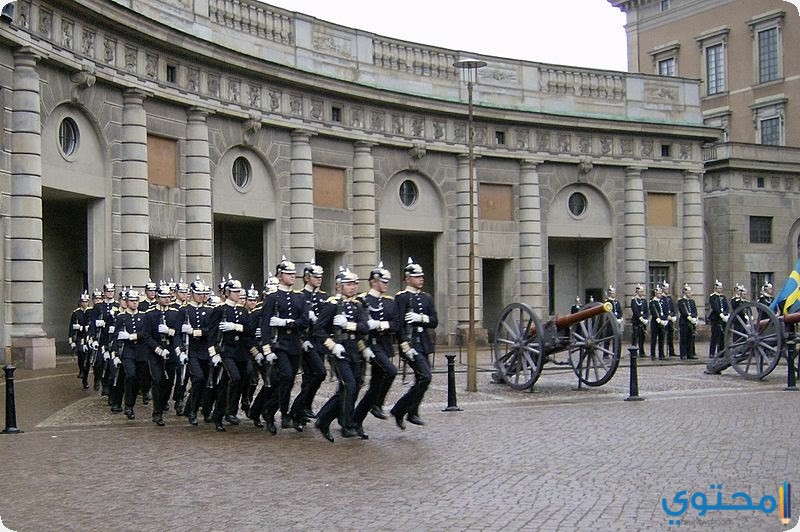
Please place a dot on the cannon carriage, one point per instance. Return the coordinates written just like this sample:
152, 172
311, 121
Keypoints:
589, 341
755, 340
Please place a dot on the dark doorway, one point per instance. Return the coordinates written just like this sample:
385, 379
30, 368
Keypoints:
397, 247
239, 250
493, 295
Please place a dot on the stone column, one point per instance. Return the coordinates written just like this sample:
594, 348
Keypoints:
635, 231
693, 259
29, 345
365, 238
134, 207
199, 215
301, 223
530, 237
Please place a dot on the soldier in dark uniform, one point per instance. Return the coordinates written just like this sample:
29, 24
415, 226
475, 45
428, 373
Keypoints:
718, 314
226, 334
116, 371
342, 321
672, 317
577, 306
105, 316
96, 332
766, 297
181, 296
194, 318
640, 317
384, 321
162, 326
78, 334
131, 327
264, 363
420, 316
687, 323
150, 289
283, 322
658, 324
616, 310
313, 360
253, 339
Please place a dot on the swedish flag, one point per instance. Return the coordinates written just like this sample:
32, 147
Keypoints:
788, 300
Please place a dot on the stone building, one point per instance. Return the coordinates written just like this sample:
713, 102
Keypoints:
157, 139
747, 56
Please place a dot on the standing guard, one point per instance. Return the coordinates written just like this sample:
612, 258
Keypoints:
766, 297
687, 324
194, 318
162, 326
79, 337
616, 310
384, 322
672, 317
718, 314
415, 343
131, 327
341, 322
658, 324
640, 316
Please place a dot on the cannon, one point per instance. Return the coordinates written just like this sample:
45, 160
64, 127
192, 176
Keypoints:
591, 338
755, 339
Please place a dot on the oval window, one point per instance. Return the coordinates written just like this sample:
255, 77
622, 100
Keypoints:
408, 193
68, 137
577, 204
241, 172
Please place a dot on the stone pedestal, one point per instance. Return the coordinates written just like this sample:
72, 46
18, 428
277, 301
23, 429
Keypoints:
35, 352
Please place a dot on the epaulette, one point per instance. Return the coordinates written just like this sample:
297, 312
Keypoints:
297, 291
77, 309
332, 299
322, 292
362, 295
384, 296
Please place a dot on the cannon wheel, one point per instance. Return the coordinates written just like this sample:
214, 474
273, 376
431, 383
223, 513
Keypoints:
519, 346
594, 349
754, 340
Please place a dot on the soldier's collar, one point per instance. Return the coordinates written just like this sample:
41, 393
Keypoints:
284, 288
193, 303
132, 310
412, 290
230, 303
310, 288
374, 293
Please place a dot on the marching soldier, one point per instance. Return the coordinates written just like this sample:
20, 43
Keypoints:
672, 317
341, 322
658, 324
283, 321
150, 289
640, 316
194, 329
96, 332
116, 371
415, 343
162, 325
181, 295
687, 324
253, 339
78, 337
718, 317
131, 327
383, 322
265, 363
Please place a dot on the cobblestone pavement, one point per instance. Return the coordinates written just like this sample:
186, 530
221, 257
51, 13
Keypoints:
554, 459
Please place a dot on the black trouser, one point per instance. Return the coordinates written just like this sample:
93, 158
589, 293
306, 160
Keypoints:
160, 382
269, 388
342, 403
313, 376
717, 342
383, 373
201, 395
230, 389
656, 337
287, 366
137, 374
116, 392
637, 337
409, 403
670, 338
686, 340
179, 387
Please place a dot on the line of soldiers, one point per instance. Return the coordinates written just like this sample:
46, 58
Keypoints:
178, 339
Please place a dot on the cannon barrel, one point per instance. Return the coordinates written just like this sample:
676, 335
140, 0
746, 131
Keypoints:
564, 322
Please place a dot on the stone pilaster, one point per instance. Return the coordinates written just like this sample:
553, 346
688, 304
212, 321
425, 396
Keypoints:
301, 224
199, 215
462, 240
693, 258
134, 206
635, 231
365, 238
29, 345
530, 237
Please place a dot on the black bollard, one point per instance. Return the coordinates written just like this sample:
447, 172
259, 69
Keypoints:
452, 402
791, 372
11, 409
634, 383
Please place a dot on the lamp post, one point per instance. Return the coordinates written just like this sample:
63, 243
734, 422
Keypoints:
469, 69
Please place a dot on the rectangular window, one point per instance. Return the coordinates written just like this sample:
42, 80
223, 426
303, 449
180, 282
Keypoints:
656, 274
715, 69
330, 187
162, 161
171, 73
336, 114
500, 138
664, 5
757, 280
761, 230
666, 67
760, 182
768, 55
661, 210
771, 131
665, 150
496, 202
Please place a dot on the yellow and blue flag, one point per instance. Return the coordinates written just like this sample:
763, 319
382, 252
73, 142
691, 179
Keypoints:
788, 300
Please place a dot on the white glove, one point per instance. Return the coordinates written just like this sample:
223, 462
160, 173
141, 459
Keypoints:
338, 350
673, 319
76, 327
106, 356
99, 323
111, 329
183, 358
275, 321
72, 345
340, 320
413, 317
187, 329
693, 320
216, 360
411, 353
307, 346
373, 324
163, 353
85, 348
724, 317
312, 316
367, 354
641, 318
124, 335
163, 328
259, 358
117, 362
95, 345
227, 326
620, 321
271, 357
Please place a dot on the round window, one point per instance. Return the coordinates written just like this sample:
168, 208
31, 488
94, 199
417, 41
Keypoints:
68, 137
577, 204
408, 193
241, 172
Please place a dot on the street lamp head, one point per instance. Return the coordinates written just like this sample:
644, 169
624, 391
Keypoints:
469, 69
